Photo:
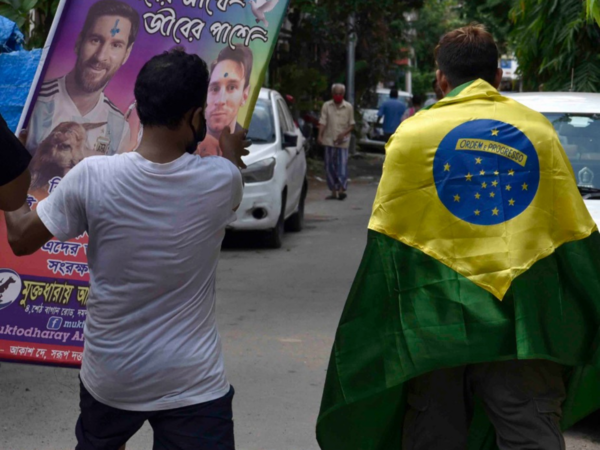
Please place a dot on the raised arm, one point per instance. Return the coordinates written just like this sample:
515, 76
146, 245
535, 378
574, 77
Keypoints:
13, 194
26, 232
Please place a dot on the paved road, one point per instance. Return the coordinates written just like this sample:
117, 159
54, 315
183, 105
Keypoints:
277, 310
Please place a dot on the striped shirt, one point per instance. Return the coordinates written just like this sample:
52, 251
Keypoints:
54, 106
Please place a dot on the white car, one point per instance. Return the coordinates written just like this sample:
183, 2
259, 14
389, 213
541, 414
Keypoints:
275, 179
372, 135
576, 118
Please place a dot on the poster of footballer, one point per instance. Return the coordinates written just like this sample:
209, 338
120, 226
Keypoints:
82, 104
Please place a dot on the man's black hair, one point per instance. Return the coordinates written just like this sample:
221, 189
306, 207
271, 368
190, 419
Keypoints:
112, 8
393, 93
467, 54
242, 55
417, 100
168, 86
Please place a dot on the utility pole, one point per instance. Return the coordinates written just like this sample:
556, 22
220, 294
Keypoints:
350, 88
351, 59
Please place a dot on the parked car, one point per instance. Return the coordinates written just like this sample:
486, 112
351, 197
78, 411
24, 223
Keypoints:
275, 179
576, 118
372, 134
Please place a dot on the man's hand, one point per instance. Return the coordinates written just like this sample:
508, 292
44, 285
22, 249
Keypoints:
13, 194
26, 232
234, 146
209, 147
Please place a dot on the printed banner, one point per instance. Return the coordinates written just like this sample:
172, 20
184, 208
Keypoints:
82, 104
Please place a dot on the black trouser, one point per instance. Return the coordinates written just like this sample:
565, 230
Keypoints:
523, 400
206, 426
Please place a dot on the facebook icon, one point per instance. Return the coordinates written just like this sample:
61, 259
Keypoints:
54, 323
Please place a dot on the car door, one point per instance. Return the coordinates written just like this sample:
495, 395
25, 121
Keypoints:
295, 167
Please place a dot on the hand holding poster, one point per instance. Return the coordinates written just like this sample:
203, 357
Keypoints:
82, 104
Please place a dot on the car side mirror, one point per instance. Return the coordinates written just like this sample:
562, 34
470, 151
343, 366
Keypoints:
290, 140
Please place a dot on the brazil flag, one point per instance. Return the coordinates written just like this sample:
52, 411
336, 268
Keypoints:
480, 249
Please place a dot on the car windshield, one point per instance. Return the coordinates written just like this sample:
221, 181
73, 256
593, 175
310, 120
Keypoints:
262, 128
580, 137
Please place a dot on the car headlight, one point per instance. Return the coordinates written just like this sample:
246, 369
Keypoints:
259, 172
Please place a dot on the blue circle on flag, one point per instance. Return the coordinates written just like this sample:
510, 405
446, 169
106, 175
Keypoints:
486, 172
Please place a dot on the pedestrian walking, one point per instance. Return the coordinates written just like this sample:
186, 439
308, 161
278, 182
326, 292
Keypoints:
156, 218
335, 125
391, 111
473, 319
14, 175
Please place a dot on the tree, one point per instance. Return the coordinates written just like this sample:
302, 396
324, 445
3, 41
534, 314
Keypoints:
556, 46
33, 17
593, 10
318, 40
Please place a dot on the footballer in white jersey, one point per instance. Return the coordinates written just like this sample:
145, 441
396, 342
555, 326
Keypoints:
54, 106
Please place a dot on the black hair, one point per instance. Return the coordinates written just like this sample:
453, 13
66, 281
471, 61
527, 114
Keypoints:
417, 100
467, 54
394, 93
242, 55
112, 8
168, 86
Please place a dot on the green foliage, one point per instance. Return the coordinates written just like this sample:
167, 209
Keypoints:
304, 84
494, 14
593, 10
19, 12
555, 41
319, 39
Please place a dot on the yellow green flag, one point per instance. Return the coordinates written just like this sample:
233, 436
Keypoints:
477, 203
487, 197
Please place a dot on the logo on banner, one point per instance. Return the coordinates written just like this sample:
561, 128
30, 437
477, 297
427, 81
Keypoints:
10, 287
54, 323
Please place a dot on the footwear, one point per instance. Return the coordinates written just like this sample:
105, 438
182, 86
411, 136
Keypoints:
342, 196
331, 197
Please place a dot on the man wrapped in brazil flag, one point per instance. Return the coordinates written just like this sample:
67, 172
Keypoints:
474, 319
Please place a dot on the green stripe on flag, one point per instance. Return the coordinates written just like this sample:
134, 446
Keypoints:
408, 314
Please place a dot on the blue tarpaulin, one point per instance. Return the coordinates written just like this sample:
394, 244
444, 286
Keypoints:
17, 70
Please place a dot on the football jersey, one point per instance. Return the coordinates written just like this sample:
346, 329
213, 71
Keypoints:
54, 106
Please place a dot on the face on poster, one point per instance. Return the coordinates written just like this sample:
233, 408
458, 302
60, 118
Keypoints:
83, 105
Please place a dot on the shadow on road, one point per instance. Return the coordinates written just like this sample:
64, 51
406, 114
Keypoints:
588, 427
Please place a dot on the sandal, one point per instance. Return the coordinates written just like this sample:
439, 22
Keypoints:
331, 197
342, 196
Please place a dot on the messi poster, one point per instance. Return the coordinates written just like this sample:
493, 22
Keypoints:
82, 104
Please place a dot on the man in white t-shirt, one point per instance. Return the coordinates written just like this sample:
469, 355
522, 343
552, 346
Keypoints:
156, 219
103, 46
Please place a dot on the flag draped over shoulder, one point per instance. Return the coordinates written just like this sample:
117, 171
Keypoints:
480, 249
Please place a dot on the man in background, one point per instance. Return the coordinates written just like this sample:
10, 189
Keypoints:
14, 175
335, 125
391, 111
103, 46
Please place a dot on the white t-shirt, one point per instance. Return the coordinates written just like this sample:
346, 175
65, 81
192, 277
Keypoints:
155, 233
54, 106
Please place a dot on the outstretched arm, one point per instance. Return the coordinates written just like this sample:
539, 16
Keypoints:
26, 232
13, 194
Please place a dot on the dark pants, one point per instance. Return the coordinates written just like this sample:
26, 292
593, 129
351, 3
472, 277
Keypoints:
523, 400
205, 426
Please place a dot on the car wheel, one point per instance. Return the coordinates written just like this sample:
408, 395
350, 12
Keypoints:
275, 235
296, 221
